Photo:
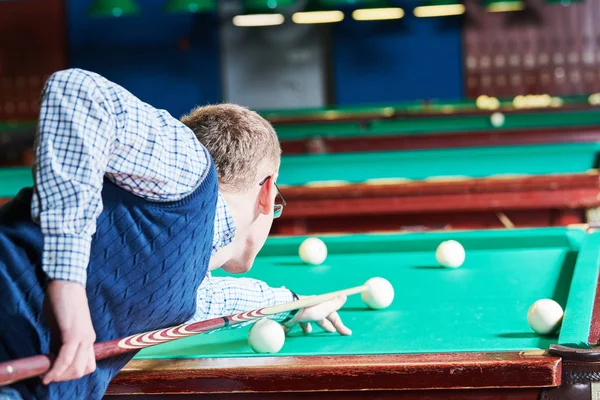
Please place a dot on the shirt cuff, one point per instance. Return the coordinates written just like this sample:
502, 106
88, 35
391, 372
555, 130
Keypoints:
66, 258
282, 296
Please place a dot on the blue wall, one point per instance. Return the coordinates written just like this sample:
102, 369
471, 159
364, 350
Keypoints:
399, 60
143, 53
372, 62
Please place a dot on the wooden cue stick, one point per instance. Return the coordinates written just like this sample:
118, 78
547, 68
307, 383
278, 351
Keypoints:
29, 367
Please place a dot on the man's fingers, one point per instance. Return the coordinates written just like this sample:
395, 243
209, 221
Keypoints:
306, 327
337, 322
79, 364
325, 315
326, 325
63, 361
322, 310
73, 362
91, 365
335, 304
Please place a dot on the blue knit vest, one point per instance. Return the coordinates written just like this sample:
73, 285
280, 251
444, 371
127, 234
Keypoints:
147, 261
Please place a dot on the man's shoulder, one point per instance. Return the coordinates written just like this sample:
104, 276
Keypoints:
79, 77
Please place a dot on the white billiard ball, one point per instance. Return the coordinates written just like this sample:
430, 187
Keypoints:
545, 316
266, 336
313, 251
497, 119
450, 253
380, 294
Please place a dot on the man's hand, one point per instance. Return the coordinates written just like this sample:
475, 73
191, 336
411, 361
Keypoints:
69, 317
325, 315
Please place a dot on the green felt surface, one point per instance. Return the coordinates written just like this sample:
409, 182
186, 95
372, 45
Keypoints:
482, 122
14, 179
441, 124
580, 304
416, 107
16, 126
481, 306
413, 165
422, 164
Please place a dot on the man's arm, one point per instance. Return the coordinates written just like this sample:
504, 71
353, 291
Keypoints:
76, 132
222, 296
90, 128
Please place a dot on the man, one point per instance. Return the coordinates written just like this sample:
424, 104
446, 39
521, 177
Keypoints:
122, 225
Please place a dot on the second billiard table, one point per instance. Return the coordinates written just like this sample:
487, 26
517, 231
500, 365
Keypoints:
471, 188
441, 131
449, 334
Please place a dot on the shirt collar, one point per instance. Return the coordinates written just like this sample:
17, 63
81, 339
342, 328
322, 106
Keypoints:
224, 225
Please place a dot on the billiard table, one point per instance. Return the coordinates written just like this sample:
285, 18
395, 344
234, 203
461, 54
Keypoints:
440, 131
429, 108
471, 188
13, 179
468, 188
449, 333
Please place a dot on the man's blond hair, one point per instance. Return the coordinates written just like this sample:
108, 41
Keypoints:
238, 139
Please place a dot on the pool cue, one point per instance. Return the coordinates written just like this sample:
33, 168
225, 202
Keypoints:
29, 367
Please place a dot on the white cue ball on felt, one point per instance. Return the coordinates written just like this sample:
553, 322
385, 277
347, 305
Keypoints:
545, 316
266, 336
450, 254
380, 293
497, 119
313, 251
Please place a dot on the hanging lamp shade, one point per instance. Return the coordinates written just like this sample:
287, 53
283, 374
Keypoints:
113, 8
504, 5
191, 6
265, 6
354, 3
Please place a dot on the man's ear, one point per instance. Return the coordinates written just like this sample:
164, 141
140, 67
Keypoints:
266, 199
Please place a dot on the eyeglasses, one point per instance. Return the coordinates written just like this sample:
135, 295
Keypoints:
277, 208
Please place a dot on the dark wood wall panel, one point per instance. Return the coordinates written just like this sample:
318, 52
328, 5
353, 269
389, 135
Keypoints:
32, 46
546, 48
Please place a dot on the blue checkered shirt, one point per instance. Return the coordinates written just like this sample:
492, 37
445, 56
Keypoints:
90, 128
